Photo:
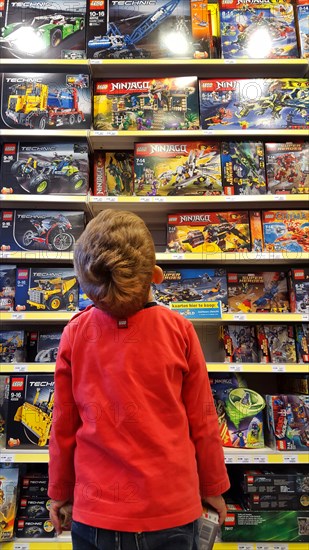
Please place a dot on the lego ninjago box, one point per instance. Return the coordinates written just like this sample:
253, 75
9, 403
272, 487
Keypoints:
257, 30
208, 232
287, 167
29, 400
177, 168
46, 289
299, 289
302, 9
42, 29
263, 292
156, 29
8, 502
113, 173
146, 104
276, 344
43, 101
7, 287
264, 103
12, 346
240, 344
243, 168
40, 229
285, 230
44, 168
192, 285
288, 422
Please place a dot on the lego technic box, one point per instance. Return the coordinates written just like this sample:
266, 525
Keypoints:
239, 410
44, 168
283, 501
192, 285
43, 101
34, 528
240, 344
40, 229
8, 501
155, 29
7, 287
299, 289
257, 30
276, 344
208, 232
264, 292
288, 422
113, 173
286, 230
47, 346
39, 29
302, 8
34, 485
302, 342
286, 481
287, 167
29, 401
46, 289
34, 507
177, 168
12, 346
265, 103
149, 104
243, 168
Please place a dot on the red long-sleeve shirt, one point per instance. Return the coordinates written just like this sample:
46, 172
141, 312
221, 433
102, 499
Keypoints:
135, 433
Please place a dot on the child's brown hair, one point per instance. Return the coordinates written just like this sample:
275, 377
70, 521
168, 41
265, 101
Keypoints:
114, 260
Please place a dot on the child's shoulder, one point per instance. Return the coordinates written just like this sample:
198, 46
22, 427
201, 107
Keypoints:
81, 315
173, 317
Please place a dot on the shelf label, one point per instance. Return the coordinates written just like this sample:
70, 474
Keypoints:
229, 61
245, 547
159, 199
17, 315
240, 317
279, 197
178, 256
260, 459
278, 368
228, 460
6, 253
292, 459
243, 460
20, 368
6, 457
305, 317
95, 61
277, 256
145, 199
198, 310
281, 547
208, 132
272, 547
21, 546
231, 198
106, 132
235, 368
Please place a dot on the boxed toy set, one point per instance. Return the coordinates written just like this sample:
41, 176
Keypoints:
302, 7
243, 168
44, 168
276, 344
256, 104
8, 497
264, 292
243, 525
177, 168
283, 501
47, 289
287, 167
42, 29
34, 485
33, 507
7, 287
29, 401
288, 422
40, 229
43, 101
208, 232
296, 383
47, 348
302, 342
256, 230
287, 481
208, 527
240, 412
240, 344
257, 30
113, 173
285, 230
157, 29
192, 285
34, 528
299, 289
146, 104
12, 346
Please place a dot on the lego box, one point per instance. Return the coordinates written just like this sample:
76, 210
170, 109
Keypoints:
44, 168
302, 342
192, 285
34, 528
43, 101
274, 482
12, 346
34, 485
33, 507
208, 232
285, 230
288, 422
264, 292
46, 289
113, 173
7, 287
146, 104
302, 8
177, 168
287, 167
299, 290
43, 30
29, 401
47, 349
258, 30
243, 168
240, 344
276, 343
40, 229
9, 485
260, 104
283, 501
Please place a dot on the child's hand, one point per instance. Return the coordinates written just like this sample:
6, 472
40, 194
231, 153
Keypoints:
218, 503
60, 514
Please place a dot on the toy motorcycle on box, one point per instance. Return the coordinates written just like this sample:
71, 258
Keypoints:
52, 232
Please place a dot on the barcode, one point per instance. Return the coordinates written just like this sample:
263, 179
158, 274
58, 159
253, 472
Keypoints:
205, 534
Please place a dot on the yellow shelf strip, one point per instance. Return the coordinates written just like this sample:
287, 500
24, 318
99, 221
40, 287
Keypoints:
8, 368
258, 367
63, 543
194, 133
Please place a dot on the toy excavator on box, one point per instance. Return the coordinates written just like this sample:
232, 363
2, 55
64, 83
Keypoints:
37, 417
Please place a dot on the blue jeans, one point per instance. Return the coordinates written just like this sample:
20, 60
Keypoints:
184, 537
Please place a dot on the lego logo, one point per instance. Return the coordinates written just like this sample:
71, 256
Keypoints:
26, 482
7, 216
23, 502
20, 523
17, 384
102, 86
269, 216
9, 148
230, 519
232, 277
172, 219
256, 498
22, 274
250, 479
299, 274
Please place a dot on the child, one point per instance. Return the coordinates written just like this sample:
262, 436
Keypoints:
135, 443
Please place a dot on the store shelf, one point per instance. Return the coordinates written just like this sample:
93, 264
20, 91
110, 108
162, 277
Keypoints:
258, 367
264, 456
8, 368
18, 456
45, 62
38, 316
230, 257
261, 546
36, 255
63, 543
42, 201
44, 133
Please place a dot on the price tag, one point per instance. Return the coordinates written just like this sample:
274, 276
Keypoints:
97, 199
229, 61
228, 460
278, 368
243, 460
260, 459
6, 457
245, 547
22, 546
291, 459
240, 317
178, 256
159, 199
111, 199
235, 368
263, 255
305, 317
231, 198
208, 132
20, 368
5, 253
279, 197
95, 61
145, 199
280, 547
17, 315
106, 133
277, 256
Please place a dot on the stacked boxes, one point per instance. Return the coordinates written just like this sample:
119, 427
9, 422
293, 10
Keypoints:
8, 493
7, 287
113, 173
299, 290
33, 511
288, 422
287, 167
263, 292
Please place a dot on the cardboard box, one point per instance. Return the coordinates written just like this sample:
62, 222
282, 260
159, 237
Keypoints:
177, 168
7, 287
208, 528
285, 230
302, 9
288, 422
287, 167
270, 482
299, 289
9, 484
34, 528
33, 507
44, 101
45, 168
40, 229
47, 348
283, 501
263, 292
277, 344
302, 342
243, 168
146, 104
34, 485
240, 344
297, 383
12, 346
256, 231
113, 173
